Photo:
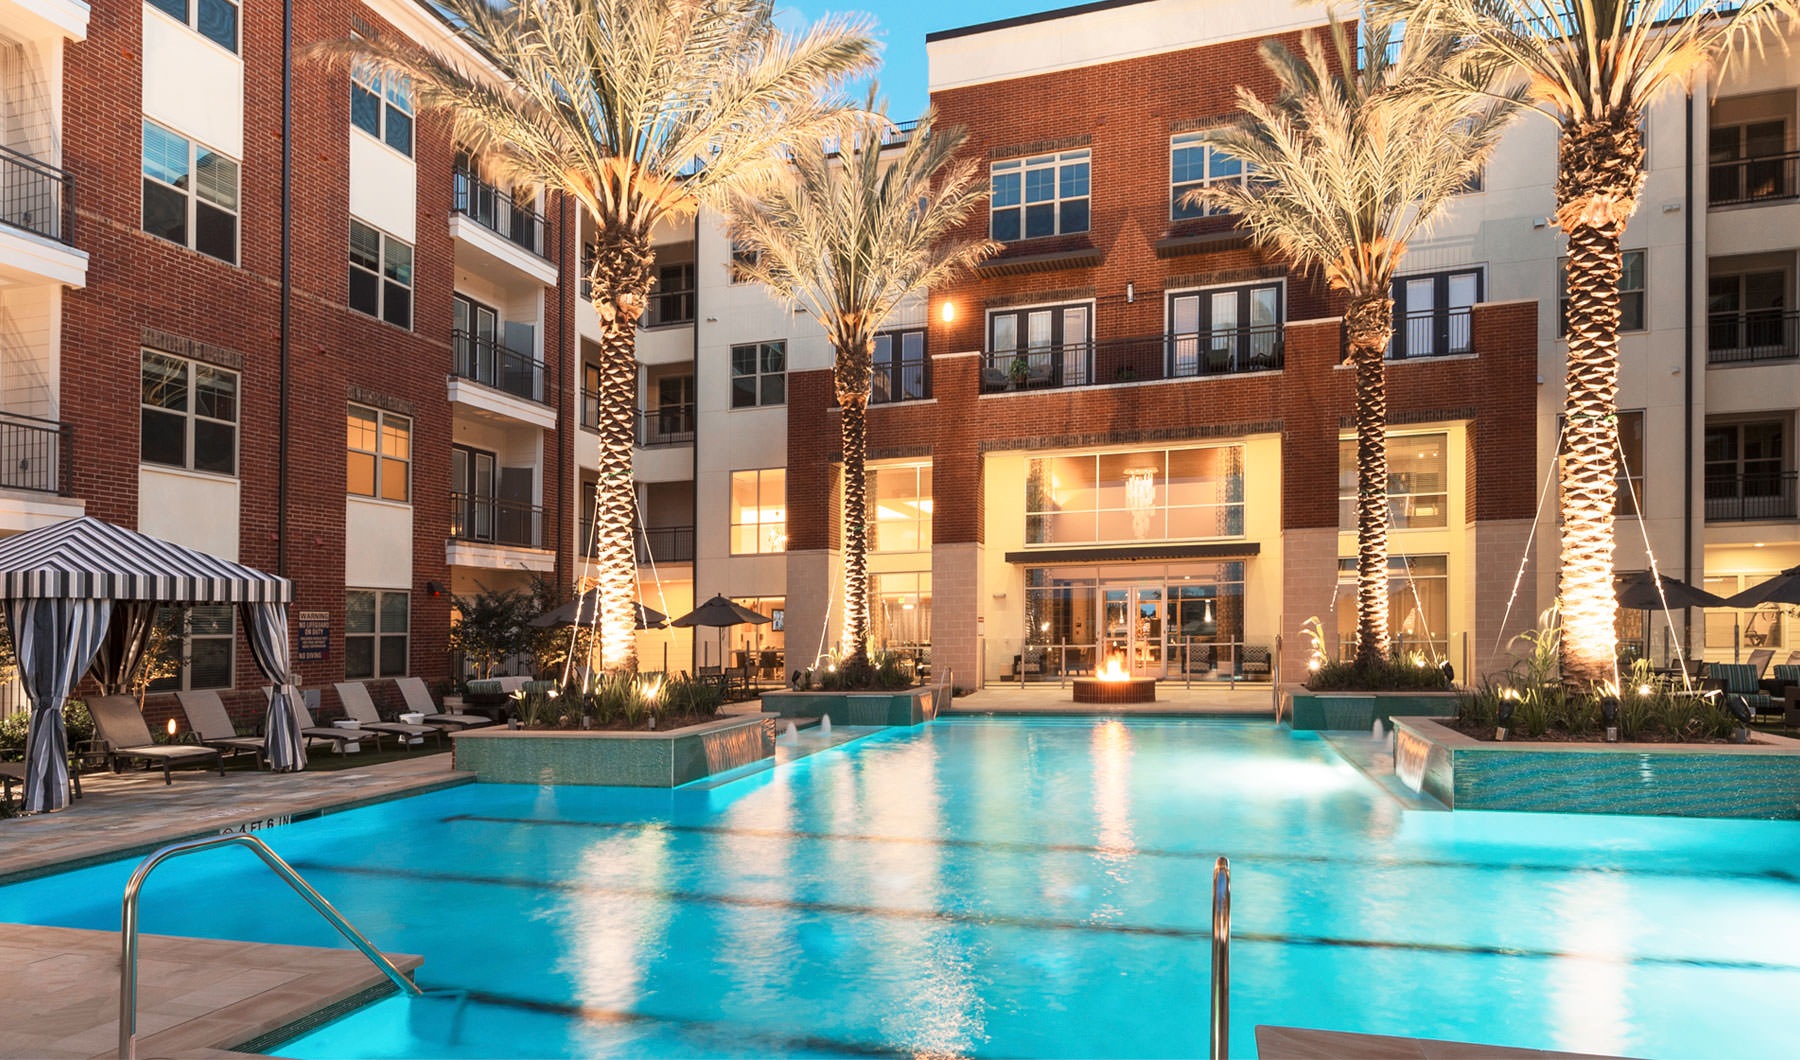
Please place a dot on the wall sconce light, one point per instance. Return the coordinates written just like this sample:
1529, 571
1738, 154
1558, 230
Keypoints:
433, 589
947, 311
999, 596
1131, 292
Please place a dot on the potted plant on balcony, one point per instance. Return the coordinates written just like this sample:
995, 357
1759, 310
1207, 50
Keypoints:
1018, 371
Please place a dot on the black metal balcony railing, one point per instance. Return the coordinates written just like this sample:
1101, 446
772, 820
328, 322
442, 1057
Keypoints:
1754, 335
1444, 332
36, 197
495, 364
495, 209
33, 454
1750, 498
492, 520
666, 426
665, 544
1230, 351
1761, 178
590, 409
669, 307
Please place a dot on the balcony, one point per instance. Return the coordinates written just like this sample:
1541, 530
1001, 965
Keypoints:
498, 212
1445, 332
33, 454
1193, 355
492, 520
1750, 498
669, 308
492, 363
37, 210
669, 425
504, 241
1753, 336
1761, 178
665, 544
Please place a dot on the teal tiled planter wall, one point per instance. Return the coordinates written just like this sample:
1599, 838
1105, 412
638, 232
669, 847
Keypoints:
910, 707
629, 759
1358, 710
1759, 780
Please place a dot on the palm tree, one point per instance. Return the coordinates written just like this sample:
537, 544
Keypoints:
1346, 165
641, 111
1593, 67
850, 236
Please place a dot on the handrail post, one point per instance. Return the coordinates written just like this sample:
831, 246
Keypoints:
128, 924
1221, 960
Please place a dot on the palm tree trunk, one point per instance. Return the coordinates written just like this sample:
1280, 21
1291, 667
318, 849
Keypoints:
852, 378
621, 284
1369, 325
1600, 174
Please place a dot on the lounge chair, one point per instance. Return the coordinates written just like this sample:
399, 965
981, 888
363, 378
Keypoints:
206, 716
358, 707
312, 730
120, 725
1759, 660
418, 701
1739, 679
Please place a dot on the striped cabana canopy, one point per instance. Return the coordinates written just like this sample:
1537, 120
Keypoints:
87, 559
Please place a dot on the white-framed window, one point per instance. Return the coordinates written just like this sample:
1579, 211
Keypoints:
381, 274
190, 194
203, 639
1136, 495
382, 106
376, 627
188, 414
1044, 195
216, 20
758, 374
900, 499
379, 446
743, 256
1195, 164
758, 511
1418, 481
1631, 292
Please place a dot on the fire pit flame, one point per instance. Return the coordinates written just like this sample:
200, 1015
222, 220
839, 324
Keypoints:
1114, 670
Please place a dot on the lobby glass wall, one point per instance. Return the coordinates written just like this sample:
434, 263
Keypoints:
1158, 620
1418, 606
1146, 495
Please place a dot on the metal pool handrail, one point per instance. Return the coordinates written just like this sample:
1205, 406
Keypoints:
1221, 960
128, 924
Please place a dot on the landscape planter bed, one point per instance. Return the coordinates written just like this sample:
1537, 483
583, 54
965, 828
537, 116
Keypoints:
909, 706
629, 759
1759, 780
1310, 711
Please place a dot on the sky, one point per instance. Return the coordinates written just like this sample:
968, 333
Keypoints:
901, 29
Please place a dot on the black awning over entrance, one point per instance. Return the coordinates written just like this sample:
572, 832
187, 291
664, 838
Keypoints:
1123, 553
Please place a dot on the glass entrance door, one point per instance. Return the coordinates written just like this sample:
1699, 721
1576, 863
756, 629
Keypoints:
1134, 621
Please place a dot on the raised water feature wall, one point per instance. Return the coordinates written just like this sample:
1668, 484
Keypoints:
1359, 710
629, 759
909, 707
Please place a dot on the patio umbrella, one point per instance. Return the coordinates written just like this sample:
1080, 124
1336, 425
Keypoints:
724, 614
580, 612
1784, 588
1639, 593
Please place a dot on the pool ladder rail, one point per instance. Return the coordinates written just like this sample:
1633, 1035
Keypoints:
128, 924
1221, 960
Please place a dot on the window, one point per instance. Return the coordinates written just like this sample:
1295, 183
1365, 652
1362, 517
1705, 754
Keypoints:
216, 20
758, 511
202, 640
1194, 164
902, 372
672, 299
743, 256
1418, 606
1433, 314
1631, 292
380, 454
1631, 464
1041, 346
1418, 482
1747, 318
758, 374
380, 275
1147, 495
900, 613
1746, 163
190, 194
900, 497
375, 633
1231, 329
189, 414
381, 105
1746, 472
1045, 195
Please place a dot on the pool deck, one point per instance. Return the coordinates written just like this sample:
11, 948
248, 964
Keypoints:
1239, 699
196, 997
1300, 1043
130, 813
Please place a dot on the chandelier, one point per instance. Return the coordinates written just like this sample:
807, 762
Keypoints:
1140, 497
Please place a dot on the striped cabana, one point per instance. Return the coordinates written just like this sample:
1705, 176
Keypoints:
80, 597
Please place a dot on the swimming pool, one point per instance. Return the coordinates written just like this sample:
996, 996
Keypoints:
1014, 888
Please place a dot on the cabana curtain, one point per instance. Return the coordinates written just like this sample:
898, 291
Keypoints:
54, 640
267, 627
127, 637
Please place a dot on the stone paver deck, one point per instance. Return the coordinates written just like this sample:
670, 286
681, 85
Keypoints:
123, 814
1248, 699
1299, 1043
195, 996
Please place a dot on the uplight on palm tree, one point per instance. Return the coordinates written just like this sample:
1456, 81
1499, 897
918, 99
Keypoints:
860, 226
1346, 165
641, 111
1594, 67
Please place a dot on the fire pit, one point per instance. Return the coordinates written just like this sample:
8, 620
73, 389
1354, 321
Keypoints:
1112, 685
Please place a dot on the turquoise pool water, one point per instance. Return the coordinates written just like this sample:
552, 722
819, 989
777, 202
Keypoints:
1014, 888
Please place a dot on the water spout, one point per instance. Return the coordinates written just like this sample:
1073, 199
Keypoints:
825, 725
1377, 732
790, 734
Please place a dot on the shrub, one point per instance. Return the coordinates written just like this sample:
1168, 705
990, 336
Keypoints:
16, 727
1395, 674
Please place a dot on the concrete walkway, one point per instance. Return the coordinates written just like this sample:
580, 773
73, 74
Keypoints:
1246, 699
